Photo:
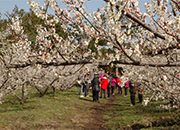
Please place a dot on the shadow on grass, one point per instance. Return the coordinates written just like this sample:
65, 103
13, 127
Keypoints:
86, 99
121, 105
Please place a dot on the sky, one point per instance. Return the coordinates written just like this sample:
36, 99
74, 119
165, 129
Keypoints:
91, 5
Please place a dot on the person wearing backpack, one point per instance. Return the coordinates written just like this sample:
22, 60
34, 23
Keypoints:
95, 88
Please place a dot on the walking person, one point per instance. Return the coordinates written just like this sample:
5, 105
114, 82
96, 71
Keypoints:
87, 82
109, 86
113, 84
126, 86
80, 83
80, 87
104, 85
87, 87
132, 91
140, 93
101, 74
118, 82
95, 88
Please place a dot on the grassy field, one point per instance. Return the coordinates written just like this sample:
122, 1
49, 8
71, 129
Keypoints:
66, 110
122, 115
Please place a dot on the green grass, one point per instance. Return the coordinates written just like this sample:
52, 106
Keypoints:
123, 115
66, 111
36, 113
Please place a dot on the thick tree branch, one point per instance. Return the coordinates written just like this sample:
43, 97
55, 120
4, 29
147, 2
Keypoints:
151, 64
178, 6
165, 64
135, 19
26, 64
129, 15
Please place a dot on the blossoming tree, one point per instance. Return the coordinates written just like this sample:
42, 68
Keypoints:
146, 45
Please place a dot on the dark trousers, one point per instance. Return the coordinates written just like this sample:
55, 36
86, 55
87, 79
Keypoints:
125, 90
103, 91
133, 99
112, 89
95, 96
140, 96
108, 92
119, 90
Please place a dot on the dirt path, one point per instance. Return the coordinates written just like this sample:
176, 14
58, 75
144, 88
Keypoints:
96, 121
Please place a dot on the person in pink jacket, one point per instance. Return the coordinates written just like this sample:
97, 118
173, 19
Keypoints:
113, 84
126, 86
104, 85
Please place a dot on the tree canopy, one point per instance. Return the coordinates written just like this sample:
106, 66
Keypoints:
147, 50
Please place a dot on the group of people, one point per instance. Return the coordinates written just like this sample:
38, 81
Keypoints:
104, 85
133, 88
107, 85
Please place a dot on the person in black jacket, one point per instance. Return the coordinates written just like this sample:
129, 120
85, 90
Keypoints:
109, 86
95, 88
132, 90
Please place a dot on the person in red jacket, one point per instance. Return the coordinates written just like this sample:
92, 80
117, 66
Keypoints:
104, 84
